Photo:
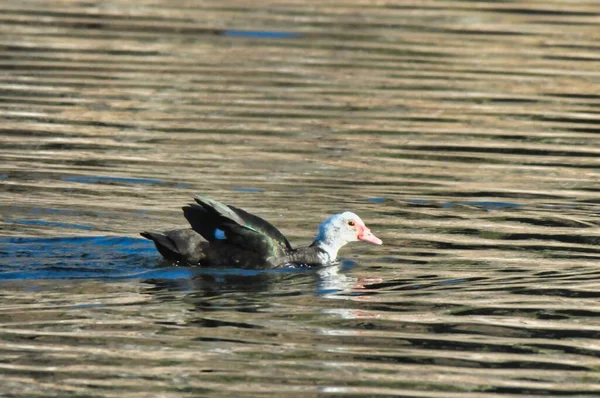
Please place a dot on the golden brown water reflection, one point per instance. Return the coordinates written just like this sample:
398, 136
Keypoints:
464, 133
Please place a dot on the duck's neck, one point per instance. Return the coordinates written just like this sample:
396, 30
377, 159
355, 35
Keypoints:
328, 246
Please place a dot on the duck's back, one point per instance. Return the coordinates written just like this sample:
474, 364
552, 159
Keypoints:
223, 235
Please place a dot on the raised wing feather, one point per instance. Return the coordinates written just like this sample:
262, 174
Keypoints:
263, 226
240, 228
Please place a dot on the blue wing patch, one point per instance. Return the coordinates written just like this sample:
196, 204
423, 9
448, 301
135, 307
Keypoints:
219, 234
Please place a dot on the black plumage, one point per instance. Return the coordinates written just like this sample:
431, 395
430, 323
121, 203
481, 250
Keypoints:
222, 235
250, 241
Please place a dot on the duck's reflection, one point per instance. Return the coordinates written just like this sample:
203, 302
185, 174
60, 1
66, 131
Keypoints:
206, 282
332, 279
250, 306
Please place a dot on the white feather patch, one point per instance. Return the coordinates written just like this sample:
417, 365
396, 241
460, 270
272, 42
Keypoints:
219, 234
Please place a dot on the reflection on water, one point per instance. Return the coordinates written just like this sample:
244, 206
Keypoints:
464, 132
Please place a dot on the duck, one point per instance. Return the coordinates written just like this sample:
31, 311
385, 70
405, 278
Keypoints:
225, 235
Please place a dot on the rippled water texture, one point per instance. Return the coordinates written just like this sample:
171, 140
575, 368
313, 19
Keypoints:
464, 133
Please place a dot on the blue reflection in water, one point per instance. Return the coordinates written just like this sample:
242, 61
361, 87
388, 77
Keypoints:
261, 34
50, 224
73, 257
122, 180
376, 200
487, 205
101, 257
248, 189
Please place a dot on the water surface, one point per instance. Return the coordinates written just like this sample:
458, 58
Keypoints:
463, 133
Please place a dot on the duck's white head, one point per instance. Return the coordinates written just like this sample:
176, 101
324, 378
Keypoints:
340, 229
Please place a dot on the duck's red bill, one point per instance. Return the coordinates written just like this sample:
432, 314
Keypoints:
367, 236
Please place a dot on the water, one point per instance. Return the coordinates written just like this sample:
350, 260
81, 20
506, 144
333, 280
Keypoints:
463, 133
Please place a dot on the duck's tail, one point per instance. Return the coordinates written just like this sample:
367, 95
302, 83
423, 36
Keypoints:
180, 245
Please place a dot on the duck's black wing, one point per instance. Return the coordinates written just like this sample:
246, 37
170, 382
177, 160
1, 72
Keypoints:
216, 221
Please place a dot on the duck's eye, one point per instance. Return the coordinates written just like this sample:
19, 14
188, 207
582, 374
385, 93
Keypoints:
351, 223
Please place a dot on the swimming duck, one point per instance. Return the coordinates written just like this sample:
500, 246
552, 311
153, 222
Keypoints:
224, 235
